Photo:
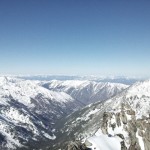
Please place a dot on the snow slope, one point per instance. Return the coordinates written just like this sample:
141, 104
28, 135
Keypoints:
104, 142
28, 112
23, 90
137, 96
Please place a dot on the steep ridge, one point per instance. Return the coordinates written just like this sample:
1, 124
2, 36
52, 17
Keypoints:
28, 113
100, 121
85, 91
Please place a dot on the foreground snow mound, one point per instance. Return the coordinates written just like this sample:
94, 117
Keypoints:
103, 142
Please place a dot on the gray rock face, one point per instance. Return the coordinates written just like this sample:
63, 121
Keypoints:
118, 121
146, 137
123, 117
132, 129
123, 146
73, 146
106, 117
131, 112
144, 132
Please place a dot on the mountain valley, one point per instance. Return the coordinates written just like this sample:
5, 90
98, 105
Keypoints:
51, 114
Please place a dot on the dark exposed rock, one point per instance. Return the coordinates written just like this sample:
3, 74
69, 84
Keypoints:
106, 117
123, 146
2, 138
130, 112
113, 126
118, 121
76, 145
121, 136
146, 138
123, 117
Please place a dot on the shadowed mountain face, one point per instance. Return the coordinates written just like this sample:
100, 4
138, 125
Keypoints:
29, 111
133, 106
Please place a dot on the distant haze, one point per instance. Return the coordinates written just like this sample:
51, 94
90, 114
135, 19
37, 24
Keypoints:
115, 79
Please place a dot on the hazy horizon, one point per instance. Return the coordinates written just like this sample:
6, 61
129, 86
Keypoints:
77, 75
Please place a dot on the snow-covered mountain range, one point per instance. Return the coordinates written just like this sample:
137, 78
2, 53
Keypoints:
40, 114
98, 123
30, 109
86, 91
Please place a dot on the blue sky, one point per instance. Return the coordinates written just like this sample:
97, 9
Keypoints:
75, 37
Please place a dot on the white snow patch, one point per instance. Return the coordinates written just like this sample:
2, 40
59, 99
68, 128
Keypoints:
104, 142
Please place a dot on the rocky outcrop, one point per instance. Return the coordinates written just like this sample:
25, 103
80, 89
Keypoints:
104, 125
123, 146
132, 129
146, 136
123, 117
118, 121
76, 145
126, 119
